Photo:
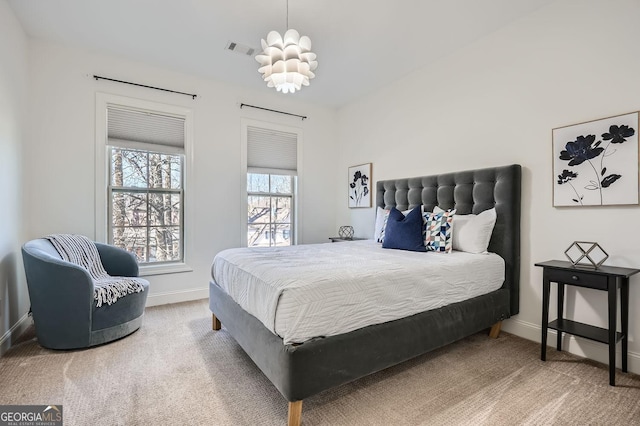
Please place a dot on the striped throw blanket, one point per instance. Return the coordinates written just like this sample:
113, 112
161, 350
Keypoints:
81, 251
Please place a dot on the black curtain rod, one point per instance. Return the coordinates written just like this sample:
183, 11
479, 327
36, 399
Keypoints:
273, 110
97, 77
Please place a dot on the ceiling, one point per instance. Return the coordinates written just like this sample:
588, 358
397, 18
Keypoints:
362, 45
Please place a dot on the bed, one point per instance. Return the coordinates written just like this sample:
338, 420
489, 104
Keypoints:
300, 370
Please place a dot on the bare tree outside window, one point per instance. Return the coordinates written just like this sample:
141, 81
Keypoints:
146, 199
270, 209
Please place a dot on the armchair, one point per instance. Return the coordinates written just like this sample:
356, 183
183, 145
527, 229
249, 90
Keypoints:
62, 298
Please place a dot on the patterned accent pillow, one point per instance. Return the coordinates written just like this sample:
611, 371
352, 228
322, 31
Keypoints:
381, 222
384, 227
438, 231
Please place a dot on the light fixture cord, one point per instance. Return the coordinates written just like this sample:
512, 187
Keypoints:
287, 15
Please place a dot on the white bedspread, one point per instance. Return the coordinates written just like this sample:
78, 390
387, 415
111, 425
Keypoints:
314, 290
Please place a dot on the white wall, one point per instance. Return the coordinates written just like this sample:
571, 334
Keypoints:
61, 146
14, 302
495, 103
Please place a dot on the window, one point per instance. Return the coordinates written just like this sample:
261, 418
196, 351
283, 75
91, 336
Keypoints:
270, 209
145, 200
141, 176
271, 184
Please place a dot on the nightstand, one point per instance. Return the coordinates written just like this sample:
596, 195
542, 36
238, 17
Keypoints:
606, 278
340, 239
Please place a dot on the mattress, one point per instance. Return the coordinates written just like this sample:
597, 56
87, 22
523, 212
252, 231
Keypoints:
317, 290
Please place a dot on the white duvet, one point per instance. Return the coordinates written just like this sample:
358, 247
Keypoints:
306, 291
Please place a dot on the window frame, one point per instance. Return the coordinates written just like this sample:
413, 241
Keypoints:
103, 172
297, 196
271, 194
111, 190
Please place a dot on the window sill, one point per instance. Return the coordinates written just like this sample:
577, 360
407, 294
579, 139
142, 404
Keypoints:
147, 270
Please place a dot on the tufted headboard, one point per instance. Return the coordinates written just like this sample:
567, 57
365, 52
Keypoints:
470, 191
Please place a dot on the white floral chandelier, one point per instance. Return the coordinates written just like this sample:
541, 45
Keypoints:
287, 63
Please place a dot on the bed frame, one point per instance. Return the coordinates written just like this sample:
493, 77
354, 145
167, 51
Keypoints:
302, 370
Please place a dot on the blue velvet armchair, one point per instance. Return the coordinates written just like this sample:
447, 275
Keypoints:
62, 298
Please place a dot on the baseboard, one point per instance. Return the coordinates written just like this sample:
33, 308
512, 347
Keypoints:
14, 332
177, 296
572, 344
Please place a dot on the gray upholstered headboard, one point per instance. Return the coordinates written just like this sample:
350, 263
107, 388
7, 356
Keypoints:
470, 191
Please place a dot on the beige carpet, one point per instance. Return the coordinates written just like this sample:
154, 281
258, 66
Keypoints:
176, 370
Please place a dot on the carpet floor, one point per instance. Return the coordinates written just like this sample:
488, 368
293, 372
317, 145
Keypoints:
176, 370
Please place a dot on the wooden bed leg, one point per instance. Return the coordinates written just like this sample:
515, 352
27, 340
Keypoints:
295, 413
495, 330
215, 322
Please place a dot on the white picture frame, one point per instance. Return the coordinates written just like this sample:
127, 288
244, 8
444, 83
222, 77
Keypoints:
596, 163
359, 186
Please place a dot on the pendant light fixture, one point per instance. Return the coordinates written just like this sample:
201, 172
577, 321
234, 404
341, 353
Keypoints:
287, 63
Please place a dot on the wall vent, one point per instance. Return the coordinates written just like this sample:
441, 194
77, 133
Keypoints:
240, 48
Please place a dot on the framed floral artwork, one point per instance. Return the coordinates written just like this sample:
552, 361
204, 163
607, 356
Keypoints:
359, 181
596, 163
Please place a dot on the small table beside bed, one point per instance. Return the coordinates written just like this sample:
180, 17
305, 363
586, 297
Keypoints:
317, 316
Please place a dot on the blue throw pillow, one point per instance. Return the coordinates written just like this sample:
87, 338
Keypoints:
404, 233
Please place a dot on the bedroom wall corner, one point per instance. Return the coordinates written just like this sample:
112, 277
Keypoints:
494, 103
14, 299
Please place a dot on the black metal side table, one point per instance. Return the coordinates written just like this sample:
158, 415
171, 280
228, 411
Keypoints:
606, 278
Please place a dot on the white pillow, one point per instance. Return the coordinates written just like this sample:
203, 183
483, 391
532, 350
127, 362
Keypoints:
472, 232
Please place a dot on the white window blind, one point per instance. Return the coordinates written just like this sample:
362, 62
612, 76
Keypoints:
271, 151
138, 129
